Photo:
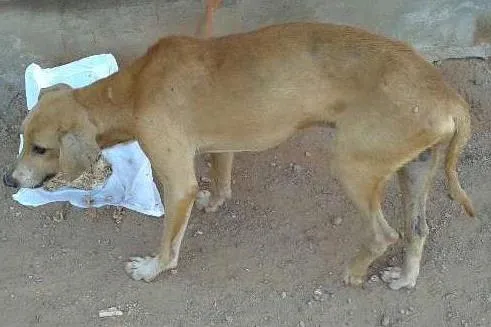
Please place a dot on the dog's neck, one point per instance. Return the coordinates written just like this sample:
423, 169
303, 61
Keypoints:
109, 104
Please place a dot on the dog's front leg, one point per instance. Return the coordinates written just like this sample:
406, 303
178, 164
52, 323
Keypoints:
179, 192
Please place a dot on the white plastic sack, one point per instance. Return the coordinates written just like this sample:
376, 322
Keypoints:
131, 183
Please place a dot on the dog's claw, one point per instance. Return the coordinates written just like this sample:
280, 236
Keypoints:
143, 268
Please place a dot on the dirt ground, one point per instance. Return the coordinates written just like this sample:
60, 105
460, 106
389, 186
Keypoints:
273, 256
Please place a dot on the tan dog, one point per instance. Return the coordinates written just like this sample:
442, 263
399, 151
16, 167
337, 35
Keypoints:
249, 92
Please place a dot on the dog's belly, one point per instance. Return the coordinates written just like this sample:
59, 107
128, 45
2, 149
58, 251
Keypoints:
238, 142
258, 129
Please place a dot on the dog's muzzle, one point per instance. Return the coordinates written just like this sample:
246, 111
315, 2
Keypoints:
9, 181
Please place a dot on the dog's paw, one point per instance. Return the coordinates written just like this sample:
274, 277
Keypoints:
207, 202
397, 279
403, 282
143, 268
214, 204
390, 274
202, 199
351, 279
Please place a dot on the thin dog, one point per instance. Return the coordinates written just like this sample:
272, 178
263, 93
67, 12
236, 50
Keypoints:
392, 111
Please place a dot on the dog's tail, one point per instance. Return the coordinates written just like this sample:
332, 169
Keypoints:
459, 139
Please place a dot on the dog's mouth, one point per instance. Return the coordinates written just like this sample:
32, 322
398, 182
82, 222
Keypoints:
45, 180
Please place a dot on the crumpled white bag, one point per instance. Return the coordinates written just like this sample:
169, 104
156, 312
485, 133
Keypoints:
131, 182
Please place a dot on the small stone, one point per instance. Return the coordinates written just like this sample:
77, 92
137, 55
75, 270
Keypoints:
349, 301
385, 321
308, 154
301, 324
273, 164
208, 164
337, 221
374, 279
111, 312
416, 109
402, 311
283, 295
205, 179
317, 294
198, 232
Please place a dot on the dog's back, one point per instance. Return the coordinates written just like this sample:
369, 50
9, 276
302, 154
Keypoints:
295, 75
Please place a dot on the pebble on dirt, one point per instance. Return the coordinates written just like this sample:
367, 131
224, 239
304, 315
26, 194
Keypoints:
385, 321
337, 221
317, 294
374, 278
110, 312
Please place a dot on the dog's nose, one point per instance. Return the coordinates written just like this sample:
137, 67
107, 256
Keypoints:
9, 181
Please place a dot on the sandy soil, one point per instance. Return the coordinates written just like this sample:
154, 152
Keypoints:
273, 256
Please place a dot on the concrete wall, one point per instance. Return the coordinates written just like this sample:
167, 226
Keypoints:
55, 31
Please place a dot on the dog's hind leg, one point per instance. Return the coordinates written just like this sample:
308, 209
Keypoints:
175, 170
364, 181
221, 176
415, 180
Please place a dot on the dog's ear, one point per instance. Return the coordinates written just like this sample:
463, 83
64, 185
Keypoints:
78, 152
52, 88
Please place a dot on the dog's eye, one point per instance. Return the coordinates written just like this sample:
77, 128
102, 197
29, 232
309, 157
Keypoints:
38, 149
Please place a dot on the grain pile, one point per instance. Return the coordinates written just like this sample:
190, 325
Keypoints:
90, 179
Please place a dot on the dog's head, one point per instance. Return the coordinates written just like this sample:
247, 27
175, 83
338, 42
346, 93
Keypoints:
57, 137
